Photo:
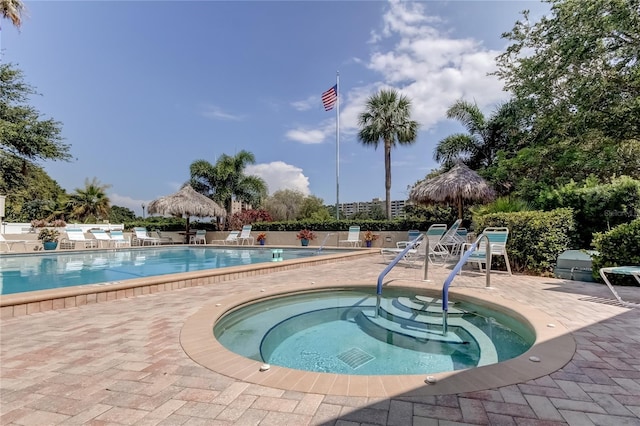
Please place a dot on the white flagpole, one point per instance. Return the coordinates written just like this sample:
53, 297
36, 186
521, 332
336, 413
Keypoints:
338, 145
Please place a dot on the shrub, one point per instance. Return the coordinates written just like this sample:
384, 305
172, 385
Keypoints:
618, 247
536, 238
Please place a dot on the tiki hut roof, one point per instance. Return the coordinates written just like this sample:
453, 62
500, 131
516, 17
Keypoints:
455, 186
186, 202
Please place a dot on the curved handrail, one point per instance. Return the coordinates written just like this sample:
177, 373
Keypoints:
397, 259
456, 270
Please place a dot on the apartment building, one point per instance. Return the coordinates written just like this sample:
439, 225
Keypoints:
397, 207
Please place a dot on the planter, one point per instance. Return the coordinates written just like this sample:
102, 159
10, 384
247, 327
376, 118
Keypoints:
50, 245
304, 242
368, 243
261, 242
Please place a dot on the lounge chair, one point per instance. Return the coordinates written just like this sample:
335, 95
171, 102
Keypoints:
451, 240
433, 236
10, 243
144, 238
232, 238
118, 238
75, 237
165, 239
497, 247
245, 235
200, 237
353, 237
634, 271
104, 240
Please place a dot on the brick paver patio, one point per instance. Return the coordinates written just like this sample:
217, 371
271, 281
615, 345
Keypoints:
121, 362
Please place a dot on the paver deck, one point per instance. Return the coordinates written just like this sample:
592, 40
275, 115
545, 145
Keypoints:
121, 362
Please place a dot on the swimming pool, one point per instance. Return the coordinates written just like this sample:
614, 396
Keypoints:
343, 332
40, 271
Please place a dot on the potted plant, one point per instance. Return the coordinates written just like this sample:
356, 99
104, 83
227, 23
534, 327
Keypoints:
262, 237
49, 238
306, 235
369, 237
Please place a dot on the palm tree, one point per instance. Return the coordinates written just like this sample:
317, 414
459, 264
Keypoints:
478, 147
12, 10
387, 118
226, 181
90, 202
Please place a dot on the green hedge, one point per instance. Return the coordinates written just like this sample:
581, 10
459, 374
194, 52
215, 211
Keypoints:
536, 238
343, 225
617, 247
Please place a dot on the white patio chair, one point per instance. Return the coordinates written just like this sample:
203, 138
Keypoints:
75, 237
245, 235
200, 237
104, 240
497, 247
119, 240
353, 237
144, 238
232, 238
10, 243
634, 271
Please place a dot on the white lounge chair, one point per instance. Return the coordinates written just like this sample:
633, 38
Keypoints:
634, 271
200, 237
497, 247
451, 240
104, 240
232, 238
118, 238
245, 235
10, 243
353, 237
144, 238
432, 236
75, 237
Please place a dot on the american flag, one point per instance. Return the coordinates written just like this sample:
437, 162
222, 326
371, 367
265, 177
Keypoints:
329, 98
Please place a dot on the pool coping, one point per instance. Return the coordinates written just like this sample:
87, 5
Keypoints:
27, 303
554, 347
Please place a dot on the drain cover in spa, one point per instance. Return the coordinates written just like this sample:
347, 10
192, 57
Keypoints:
355, 358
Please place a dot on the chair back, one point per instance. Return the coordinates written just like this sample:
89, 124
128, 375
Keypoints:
450, 236
246, 231
497, 238
99, 234
118, 236
354, 233
434, 234
75, 234
412, 234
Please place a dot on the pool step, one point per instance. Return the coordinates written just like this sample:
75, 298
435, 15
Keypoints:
427, 305
408, 336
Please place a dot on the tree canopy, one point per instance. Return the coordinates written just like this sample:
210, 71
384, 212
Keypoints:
387, 118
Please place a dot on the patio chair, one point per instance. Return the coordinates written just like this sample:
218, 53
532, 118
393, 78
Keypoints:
119, 240
200, 237
104, 240
144, 238
451, 240
75, 237
433, 236
232, 238
634, 271
353, 237
10, 243
245, 235
497, 247
165, 239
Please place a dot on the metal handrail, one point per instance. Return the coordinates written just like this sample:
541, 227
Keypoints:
326, 237
398, 258
456, 270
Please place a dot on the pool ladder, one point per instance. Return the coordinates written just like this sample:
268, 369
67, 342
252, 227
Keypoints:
324, 241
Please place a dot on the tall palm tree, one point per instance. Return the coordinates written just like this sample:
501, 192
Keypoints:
90, 202
478, 147
225, 180
387, 118
12, 10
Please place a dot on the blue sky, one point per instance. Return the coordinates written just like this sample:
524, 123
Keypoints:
144, 88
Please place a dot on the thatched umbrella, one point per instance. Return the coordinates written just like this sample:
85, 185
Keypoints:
458, 184
186, 202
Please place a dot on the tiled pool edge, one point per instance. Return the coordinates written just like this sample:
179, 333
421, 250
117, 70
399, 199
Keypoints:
18, 304
553, 349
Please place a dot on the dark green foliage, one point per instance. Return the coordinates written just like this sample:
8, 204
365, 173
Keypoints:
343, 225
618, 247
536, 238
597, 207
121, 214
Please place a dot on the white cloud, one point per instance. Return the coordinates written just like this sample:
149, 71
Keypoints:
306, 136
413, 54
306, 104
216, 113
128, 202
280, 175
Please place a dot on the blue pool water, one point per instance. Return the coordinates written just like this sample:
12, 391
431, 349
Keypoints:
23, 273
341, 331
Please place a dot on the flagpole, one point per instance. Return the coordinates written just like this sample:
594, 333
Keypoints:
338, 145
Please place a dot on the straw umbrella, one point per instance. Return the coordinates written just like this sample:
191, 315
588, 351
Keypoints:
455, 186
186, 203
